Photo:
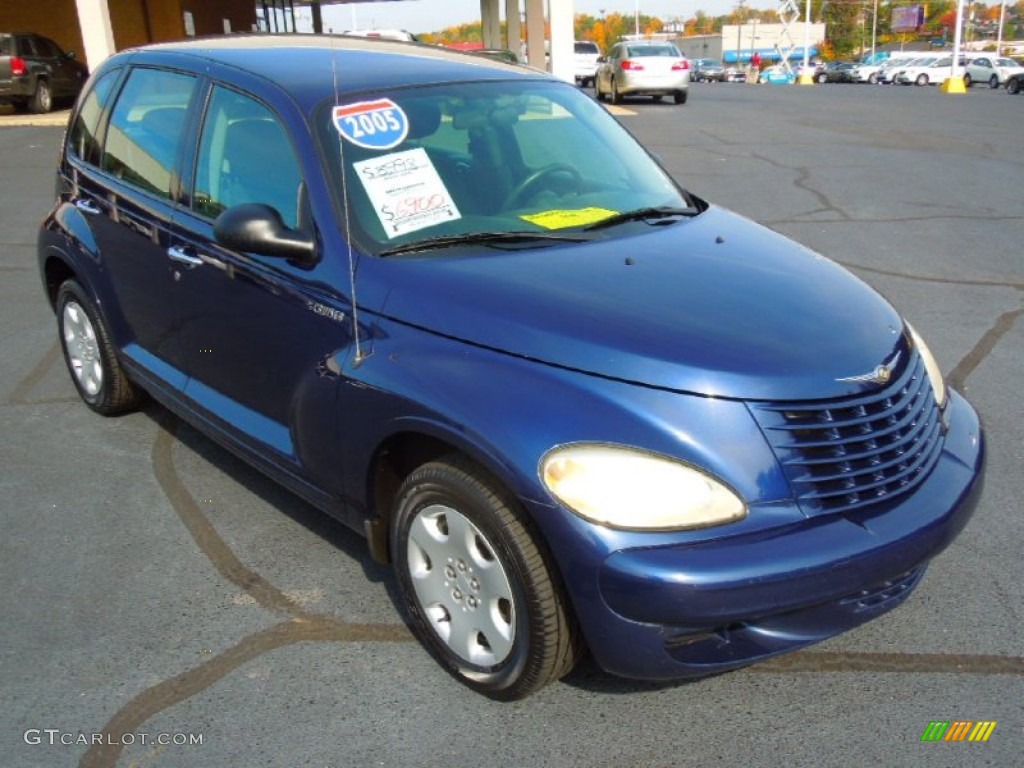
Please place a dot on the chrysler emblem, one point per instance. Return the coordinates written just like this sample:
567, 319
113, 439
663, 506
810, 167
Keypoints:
880, 375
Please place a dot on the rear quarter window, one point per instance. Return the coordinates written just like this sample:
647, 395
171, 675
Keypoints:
82, 139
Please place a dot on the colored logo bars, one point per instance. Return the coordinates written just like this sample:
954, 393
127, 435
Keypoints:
958, 730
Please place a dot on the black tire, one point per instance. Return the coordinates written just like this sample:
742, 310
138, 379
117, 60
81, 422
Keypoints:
967, 80
922, 79
873, 78
527, 638
616, 96
89, 354
993, 82
597, 90
1013, 86
822, 78
680, 96
42, 100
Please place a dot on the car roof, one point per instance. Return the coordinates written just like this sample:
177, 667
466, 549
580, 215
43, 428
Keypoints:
306, 65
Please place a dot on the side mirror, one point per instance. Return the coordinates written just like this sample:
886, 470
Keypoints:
258, 228
602, 59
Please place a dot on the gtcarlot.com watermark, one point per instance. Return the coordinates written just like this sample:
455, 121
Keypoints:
55, 736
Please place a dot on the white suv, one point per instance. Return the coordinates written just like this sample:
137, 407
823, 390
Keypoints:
585, 64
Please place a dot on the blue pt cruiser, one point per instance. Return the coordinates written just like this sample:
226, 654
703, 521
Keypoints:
453, 303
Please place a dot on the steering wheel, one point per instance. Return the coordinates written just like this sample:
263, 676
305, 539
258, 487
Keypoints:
516, 196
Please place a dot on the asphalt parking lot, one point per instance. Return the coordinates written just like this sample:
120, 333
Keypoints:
156, 586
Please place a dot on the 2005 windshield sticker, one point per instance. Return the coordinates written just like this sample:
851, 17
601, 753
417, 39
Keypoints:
406, 191
379, 124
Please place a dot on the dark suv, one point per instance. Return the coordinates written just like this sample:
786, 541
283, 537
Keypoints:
34, 72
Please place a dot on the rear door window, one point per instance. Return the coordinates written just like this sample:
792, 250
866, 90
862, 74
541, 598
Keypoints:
146, 128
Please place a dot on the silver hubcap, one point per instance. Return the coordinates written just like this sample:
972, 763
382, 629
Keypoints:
83, 348
461, 586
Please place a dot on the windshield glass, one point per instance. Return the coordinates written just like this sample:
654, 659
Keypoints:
429, 164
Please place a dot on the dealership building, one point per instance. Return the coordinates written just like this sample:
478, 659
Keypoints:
737, 43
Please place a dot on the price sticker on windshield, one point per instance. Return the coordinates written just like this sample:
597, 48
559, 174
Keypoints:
379, 124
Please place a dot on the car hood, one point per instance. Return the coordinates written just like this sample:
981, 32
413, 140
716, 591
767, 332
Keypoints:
715, 305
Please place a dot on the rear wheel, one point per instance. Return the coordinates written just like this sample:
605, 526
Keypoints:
967, 80
476, 583
993, 82
616, 96
922, 79
680, 96
42, 99
823, 78
89, 354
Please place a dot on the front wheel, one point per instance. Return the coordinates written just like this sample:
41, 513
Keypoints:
967, 80
476, 583
89, 354
993, 82
873, 78
1013, 86
822, 78
922, 79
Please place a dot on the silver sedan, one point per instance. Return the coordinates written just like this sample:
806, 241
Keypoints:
652, 68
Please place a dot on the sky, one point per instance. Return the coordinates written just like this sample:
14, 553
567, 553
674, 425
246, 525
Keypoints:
434, 15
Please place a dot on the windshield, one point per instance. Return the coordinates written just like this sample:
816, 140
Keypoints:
430, 164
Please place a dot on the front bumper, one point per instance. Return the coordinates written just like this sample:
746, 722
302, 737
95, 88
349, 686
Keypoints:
691, 609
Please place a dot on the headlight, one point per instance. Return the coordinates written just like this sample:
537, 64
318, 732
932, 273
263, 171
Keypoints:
932, 367
628, 488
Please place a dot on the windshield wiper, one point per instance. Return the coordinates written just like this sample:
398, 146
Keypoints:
642, 214
480, 237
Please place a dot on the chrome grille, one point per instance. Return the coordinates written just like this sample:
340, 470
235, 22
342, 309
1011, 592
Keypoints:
849, 453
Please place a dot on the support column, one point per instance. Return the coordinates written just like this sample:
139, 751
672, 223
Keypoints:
535, 33
562, 34
318, 19
514, 33
491, 23
97, 31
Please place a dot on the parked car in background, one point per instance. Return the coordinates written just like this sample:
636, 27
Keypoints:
835, 72
457, 306
991, 69
1014, 83
893, 67
497, 54
866, 73
734, 75
585, 56
929, 71
707, 70
402, 35
777, 74
643, 68
35, 72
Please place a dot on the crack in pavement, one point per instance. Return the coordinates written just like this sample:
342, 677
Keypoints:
929, 278
163, 695
33, 377
959, 375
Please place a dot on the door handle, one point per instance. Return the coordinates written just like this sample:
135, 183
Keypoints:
182, 256
88, 206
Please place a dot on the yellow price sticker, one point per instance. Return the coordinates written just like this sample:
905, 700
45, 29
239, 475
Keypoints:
563, 219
